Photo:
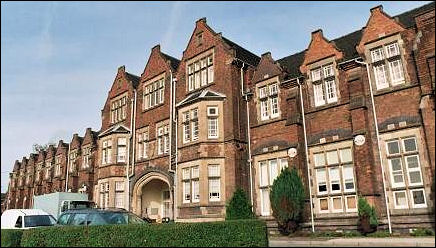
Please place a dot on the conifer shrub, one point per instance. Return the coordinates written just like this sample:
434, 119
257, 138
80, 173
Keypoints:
368, 221
287, 200
239, 206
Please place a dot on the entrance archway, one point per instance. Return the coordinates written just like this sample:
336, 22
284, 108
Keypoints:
152, 197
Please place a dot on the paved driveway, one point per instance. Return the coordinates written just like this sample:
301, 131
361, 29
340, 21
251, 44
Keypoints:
352, 242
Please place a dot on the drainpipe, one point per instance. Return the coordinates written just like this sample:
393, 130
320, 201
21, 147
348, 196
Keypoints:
132, 137
171, 133
378, 142
174, 121
249, 160
67, 168
306, 153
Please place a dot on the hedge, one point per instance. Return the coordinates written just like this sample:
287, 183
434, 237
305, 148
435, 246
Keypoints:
238, 233
11, 237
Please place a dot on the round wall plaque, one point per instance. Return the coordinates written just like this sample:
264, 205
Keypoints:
359, 140
292, 152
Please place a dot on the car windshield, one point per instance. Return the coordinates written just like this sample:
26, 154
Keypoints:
39, 220
113, 218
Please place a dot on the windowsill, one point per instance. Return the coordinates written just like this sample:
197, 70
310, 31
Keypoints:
266, 122
395, 88
118, 122
342, 214
199, 89
111, 164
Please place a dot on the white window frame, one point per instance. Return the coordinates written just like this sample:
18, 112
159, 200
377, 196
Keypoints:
318, 95
320, 182
423, 205
347, 209
399, 80
413, 170
344, 178
393, 183
328, 205
341, 210
210, 131
377, 70
214, 199
331, 85
121, 156
395, 199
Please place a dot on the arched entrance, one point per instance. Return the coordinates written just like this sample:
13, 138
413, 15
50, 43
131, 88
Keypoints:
152, 197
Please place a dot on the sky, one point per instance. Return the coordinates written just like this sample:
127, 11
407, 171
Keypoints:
59, 59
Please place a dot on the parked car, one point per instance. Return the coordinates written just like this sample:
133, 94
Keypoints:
95, 216
26, 218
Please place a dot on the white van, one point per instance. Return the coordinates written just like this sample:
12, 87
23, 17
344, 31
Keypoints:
25, 219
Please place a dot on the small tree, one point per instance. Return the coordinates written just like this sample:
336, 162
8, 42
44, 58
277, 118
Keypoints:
239, 206
368, 221
287, 200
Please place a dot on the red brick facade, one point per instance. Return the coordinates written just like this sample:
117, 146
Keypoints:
185, 129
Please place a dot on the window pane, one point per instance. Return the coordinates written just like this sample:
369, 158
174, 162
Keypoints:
195, 172
334, 179
318, 94
377, 54
274, 106
214, 170
272, 170
393, 147
331, 91
321, 180
186, 174
316, 74
345, 155
337, 203
332, 157
396, 70
400, 198
380, 76
415, 177
263, 173
348, 177
195, 190
409, 145
418, 197
319, 159
328, 71
412, 162
351, 202
323, 205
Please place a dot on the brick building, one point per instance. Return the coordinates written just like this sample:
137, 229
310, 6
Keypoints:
355, 115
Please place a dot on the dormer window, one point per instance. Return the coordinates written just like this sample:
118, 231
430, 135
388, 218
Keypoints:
324, 85
200, 73
269, 101
118, 109
153, 94
384, 59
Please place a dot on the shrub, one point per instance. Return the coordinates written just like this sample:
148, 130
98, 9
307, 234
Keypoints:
239, 206
287, 200
237, 233
368, 221
11, 237
422, 232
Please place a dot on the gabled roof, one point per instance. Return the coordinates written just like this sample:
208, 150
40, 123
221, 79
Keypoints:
242, 53
133, 78
347, 43
118, 128
408, 18
174, 63
201, 95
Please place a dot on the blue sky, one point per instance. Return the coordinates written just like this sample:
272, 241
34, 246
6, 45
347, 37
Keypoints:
58, 59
